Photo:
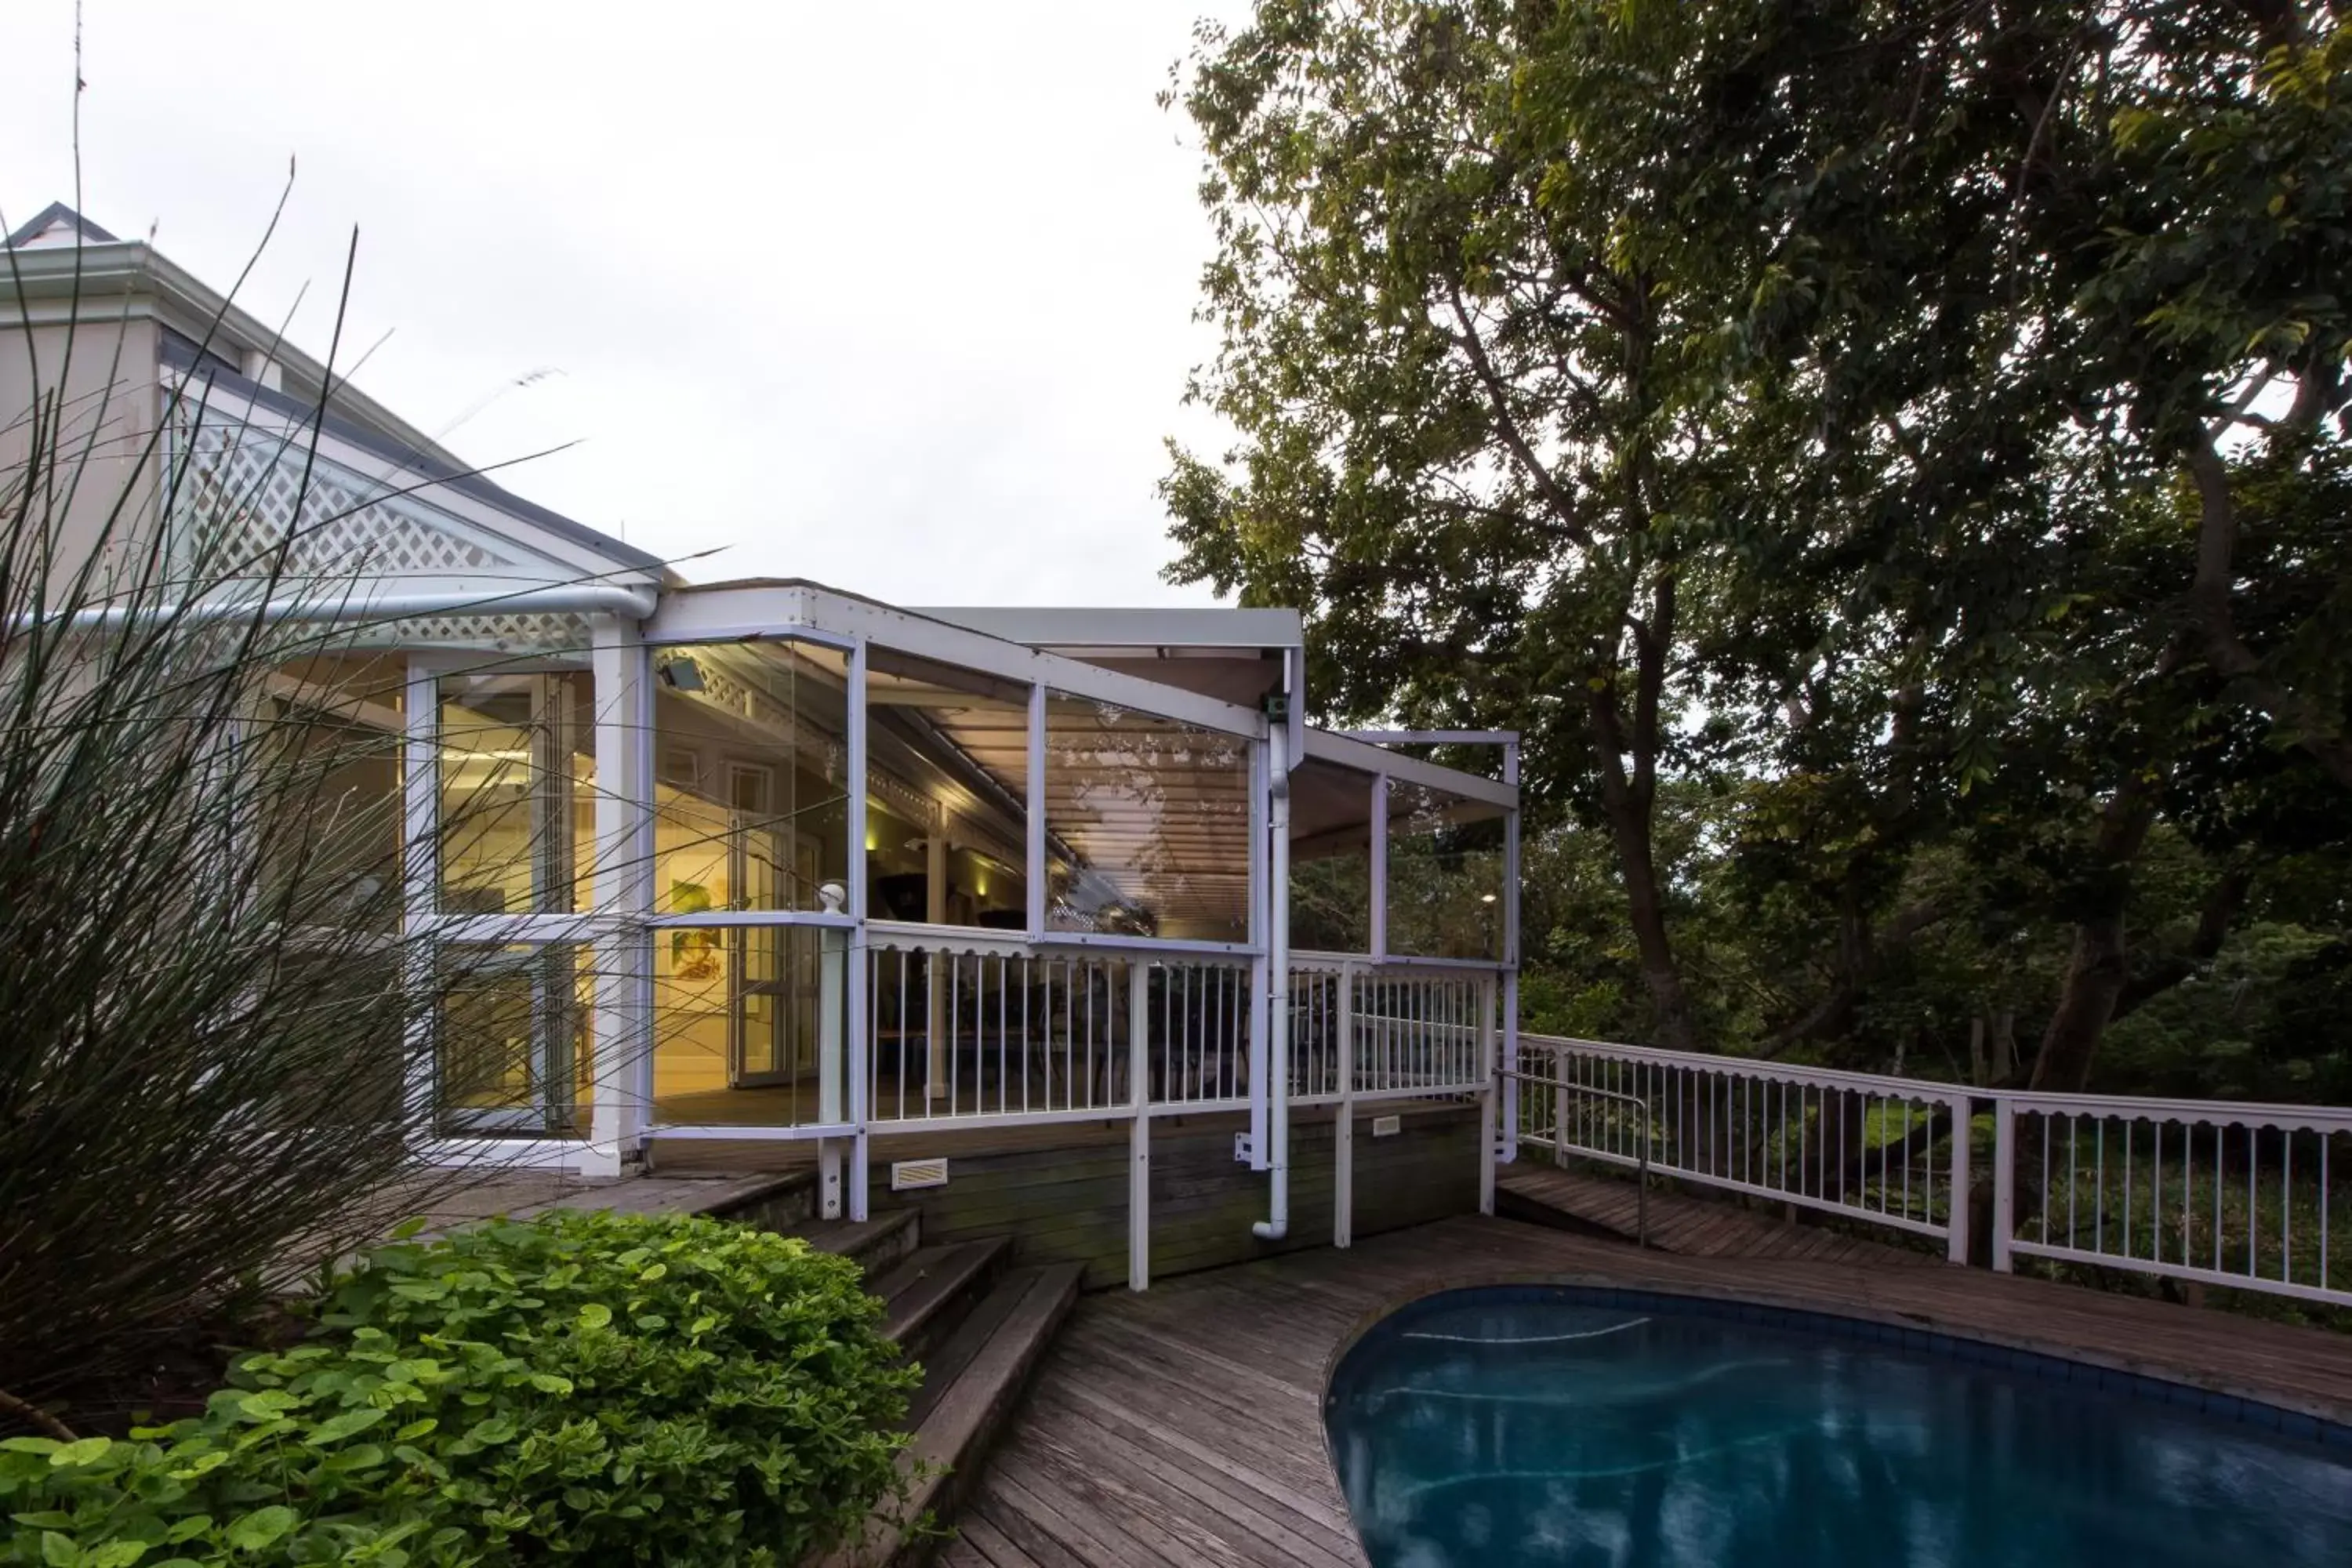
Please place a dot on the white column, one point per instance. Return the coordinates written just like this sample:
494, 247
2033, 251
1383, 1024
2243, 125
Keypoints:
1511, 1086
1039, 893
1489, 1101
420, 860
1957, 1248
1138, 1160
832, 1061
621, 1028
935, 911
2004, 1179
1343, 1132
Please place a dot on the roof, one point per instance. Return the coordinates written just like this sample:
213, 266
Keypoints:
429, 461
62, 255
1160, 626
55, 225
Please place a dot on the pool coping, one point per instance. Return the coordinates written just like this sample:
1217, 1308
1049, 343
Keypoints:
2198, 1390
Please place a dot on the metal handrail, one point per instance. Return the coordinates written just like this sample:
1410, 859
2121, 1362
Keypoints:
1560, 1155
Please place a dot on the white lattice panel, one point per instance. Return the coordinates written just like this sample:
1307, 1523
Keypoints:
515, 633
244, 494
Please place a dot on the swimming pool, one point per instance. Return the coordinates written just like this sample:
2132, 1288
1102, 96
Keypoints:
1581, 1427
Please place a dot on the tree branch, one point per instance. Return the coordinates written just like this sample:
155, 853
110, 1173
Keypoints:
2210, 606
1506, 428
2214, 917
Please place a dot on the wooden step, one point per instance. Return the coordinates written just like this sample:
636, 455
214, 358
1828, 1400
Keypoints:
971, 1388
877, 1244
927, 1295
777, 1202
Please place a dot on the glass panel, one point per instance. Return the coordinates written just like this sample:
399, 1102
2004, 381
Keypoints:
518, 768
332, 811
1149, 820
512, 1046
740, 1018
1330, 859
946, 824
1444, 874
749, 809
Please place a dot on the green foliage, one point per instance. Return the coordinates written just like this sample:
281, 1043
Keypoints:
1890, 463
581, 1387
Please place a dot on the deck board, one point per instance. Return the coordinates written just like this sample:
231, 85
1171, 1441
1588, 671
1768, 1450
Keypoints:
1185, 1424
1694, 1227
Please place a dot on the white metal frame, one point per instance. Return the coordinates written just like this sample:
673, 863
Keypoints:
2172, 1188
622, 924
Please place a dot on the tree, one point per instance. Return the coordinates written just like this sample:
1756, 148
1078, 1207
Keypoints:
1469, 449
1803, 397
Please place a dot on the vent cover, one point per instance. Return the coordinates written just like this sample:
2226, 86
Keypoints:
907, 1173
1387, 1126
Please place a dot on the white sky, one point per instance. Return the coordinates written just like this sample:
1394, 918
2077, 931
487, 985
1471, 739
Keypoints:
896, 298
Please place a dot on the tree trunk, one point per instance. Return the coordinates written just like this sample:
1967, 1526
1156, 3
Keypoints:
2099, 968
2306, 723
1629, 797
1630, 827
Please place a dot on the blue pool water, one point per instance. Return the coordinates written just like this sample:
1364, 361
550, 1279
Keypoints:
1523, 1426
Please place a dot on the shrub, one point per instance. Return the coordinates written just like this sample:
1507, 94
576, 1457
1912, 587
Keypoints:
580, 1387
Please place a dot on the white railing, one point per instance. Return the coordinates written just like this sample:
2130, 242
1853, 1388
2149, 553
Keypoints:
965, 1026
1854, 1145
1364, 1031
2211, 1192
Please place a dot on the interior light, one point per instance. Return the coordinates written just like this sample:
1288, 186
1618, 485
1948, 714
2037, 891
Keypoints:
1486, 898
873, 840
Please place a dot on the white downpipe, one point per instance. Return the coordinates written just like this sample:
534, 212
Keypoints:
1277, 1225
578, 599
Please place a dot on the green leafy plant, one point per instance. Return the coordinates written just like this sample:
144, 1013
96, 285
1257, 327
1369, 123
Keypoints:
580, 1387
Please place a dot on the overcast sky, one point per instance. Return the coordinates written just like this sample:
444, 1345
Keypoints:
897, 297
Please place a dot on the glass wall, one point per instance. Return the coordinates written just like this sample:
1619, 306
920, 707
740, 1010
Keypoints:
751, 808
1330, 859
329, 791
947, 821
1445, 860
741, 1014
750, 816
1148, 820
512, 1055
518, 786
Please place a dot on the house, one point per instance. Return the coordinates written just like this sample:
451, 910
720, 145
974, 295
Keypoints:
765, 862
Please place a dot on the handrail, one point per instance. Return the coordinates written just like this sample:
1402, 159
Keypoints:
2237, 1193
1559, 1156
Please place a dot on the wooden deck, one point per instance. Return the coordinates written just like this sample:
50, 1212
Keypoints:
1185, 1424
1693, 1227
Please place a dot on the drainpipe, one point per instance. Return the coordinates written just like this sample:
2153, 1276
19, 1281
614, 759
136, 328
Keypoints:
1278, 969
596, 599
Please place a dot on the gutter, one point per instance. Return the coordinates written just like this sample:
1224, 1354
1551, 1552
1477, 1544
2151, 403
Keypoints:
1277, 1225
606, 598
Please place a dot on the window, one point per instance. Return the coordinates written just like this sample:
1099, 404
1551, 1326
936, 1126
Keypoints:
1444, 874
751, 809
1330, 859
518, 792
1149, 821
511, 1043
947, 820
328, 796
